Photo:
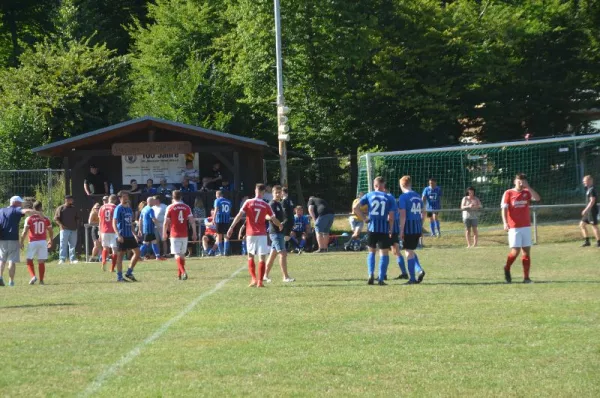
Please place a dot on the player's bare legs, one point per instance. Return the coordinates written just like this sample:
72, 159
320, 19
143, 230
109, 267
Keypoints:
12, 269
468, 236
584, 232
475, 236
512, 256
262, 267
252, 270
134, 259
270, 262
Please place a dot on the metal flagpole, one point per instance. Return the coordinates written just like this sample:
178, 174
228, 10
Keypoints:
282, 110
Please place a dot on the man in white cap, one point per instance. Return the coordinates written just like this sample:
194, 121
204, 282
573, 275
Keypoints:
10, 217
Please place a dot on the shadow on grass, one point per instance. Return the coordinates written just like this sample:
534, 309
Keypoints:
39, 305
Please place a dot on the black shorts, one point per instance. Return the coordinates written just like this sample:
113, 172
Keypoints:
591, 217
395, 239
149, 237
411, 242
375, 239
95, 234
222, 228
127, 244
431, 213
211, 240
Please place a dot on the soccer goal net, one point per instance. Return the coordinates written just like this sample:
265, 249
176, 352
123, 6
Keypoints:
555, 168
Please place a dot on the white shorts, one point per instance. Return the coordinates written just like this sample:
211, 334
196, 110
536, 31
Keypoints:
109, 240
258, 245
519, 237
37, 249
179, 246
158, 231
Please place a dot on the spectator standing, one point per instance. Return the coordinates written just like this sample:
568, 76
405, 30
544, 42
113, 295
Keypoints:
277, 238
470, 206
135, 188
95, 182
288, 208
268, 194
322, 215
68, 220
160, 210
10, 217
192, 174
94, 221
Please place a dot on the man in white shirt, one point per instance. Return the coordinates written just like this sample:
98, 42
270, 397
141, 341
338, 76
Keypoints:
192, 174
160, 210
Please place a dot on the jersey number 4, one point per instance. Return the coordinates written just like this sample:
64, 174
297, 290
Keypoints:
378, 208
416, 208
180, 217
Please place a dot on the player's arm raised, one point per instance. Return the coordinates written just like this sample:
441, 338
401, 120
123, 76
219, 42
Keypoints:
534, 195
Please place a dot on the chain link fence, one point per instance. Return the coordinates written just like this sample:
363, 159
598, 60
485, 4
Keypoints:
328, 178
45, 185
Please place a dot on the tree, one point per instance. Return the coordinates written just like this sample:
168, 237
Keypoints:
61, 89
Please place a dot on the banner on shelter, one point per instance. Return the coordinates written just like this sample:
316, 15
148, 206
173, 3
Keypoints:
156, 166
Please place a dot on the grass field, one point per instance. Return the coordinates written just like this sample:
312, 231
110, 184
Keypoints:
460, 333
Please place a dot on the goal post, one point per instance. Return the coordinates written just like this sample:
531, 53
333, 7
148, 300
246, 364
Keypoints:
555, 168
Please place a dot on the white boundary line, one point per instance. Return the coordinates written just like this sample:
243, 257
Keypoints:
131, 355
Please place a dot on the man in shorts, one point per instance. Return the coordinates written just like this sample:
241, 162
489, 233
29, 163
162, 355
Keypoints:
432, 197
590, 212
277, 237
412, 214
123, 227
39, 230
380, 217
107, 232
257, 212
10, 217
517, 222
147, 228
322, 215
222, 219
177, 219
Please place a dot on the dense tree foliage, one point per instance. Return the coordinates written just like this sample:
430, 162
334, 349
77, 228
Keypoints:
388, 74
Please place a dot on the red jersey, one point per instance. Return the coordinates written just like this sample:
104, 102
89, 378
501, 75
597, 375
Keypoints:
211, 228
517, 204
178, 213
256, 211
38, 227
105, 214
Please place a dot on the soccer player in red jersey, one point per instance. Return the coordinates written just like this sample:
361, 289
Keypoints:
517, 221
107, 232
177, 218
39, 230
257, 212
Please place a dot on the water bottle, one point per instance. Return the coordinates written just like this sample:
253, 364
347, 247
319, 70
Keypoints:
112, 191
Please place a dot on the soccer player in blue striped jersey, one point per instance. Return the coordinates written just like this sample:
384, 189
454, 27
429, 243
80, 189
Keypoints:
411, 227
148, 223
381, 209
396, 249
123, 226
432, 197
222, 219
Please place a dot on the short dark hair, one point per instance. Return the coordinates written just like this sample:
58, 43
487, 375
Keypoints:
261, 187
150, 179
470, 189
379, 180
276, 187
121, 193
177, 194
132, 181
432, 179
284, 190
521, 176
37, 205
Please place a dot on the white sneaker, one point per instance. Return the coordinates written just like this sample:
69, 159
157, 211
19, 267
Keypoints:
266, 279
288, 280
61, 262
33, 280
74, 262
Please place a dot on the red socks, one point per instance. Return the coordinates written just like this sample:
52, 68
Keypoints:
42, 267
509, 261
104, 255
526, 266
252, 269
180, 266
114, 263
30, 268
261, 272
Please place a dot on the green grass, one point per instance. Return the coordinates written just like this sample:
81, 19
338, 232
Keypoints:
460, 333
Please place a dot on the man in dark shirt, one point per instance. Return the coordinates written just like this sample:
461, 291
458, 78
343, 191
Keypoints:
67, 218
186, 186
288, 208
213, 182
277, 237
95, 182
590, 212
10, 217
322, 215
